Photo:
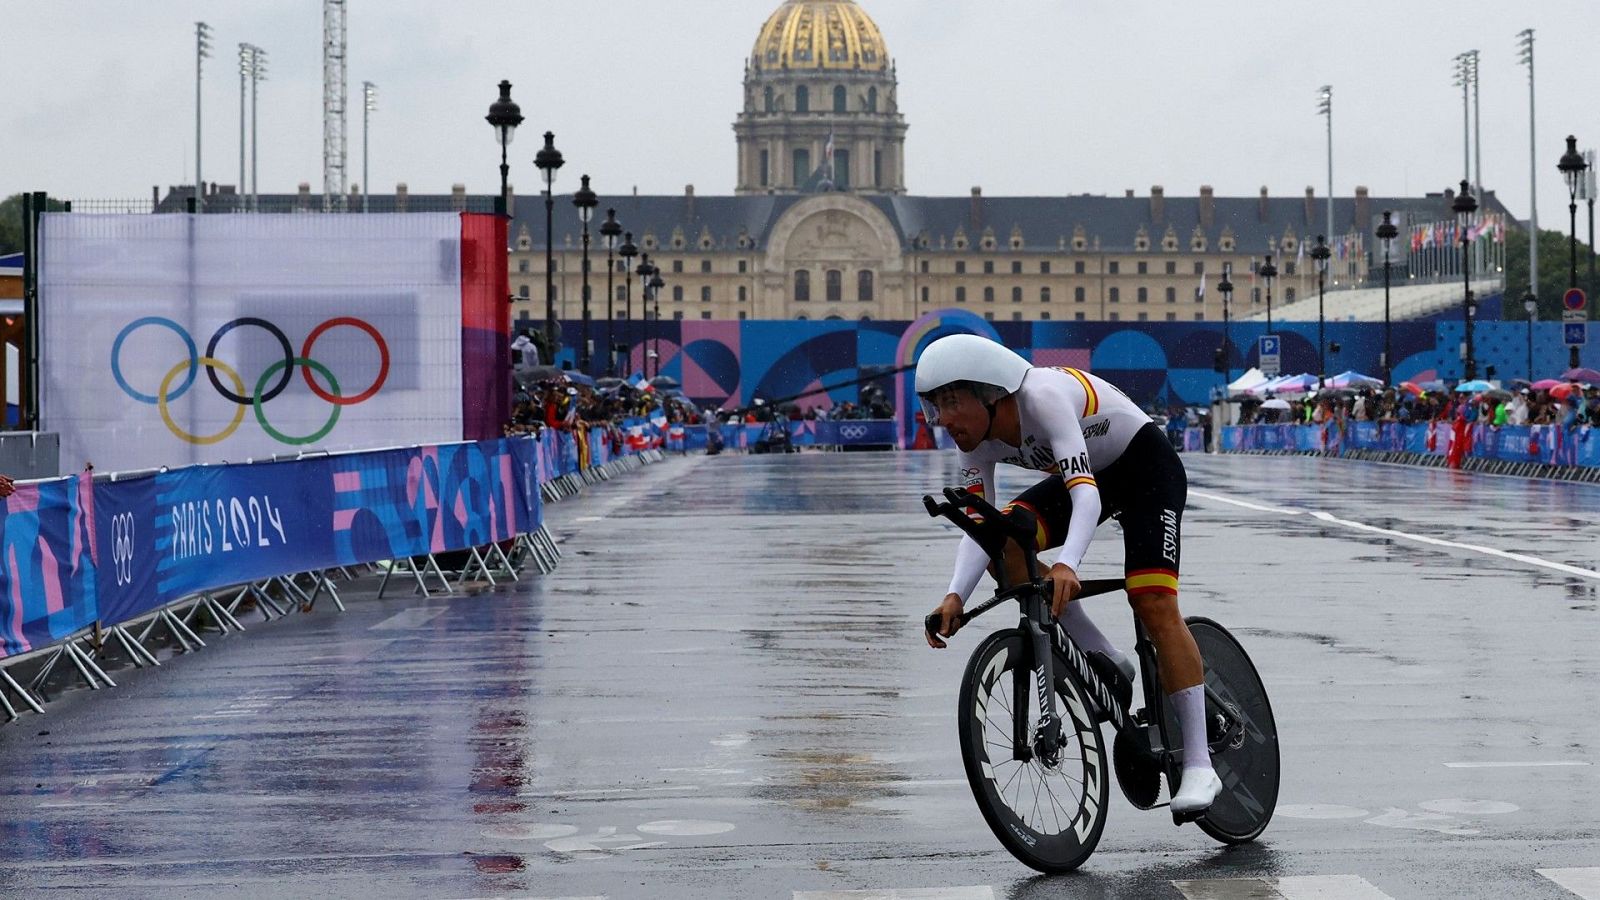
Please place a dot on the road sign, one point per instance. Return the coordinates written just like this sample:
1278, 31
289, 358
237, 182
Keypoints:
1574, 315
1574, 298
1576, 334
1267, 348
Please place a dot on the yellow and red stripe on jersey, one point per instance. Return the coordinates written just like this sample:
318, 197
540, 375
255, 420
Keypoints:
1091, 403
1152, 581
1076, 480
1041, 532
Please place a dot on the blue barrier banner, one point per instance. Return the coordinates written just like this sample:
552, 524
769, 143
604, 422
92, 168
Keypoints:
48, 557
177, 533
1549, 444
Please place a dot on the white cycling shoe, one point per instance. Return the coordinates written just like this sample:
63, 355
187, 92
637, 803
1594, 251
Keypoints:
1199, 788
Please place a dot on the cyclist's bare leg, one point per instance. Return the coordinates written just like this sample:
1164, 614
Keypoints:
1176, 652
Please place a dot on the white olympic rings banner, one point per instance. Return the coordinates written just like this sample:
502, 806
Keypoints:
177, 339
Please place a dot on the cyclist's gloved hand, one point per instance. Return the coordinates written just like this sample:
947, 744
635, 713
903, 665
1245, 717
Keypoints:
1064, 586
948, 613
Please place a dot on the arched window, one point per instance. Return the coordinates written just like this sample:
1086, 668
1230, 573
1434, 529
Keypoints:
838, 98
1044, 295
742, 295
802, 99
802, 166
1115, 297
1016, 295
961, 294
677, 294
705, 293
864, 285
767, 99
522, 292
834, 285
802, 285
1172, 295
1077, 295
872, 99
1144, 295
988, 295
800, 318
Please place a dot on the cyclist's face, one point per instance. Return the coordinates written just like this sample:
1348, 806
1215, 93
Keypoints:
964, 416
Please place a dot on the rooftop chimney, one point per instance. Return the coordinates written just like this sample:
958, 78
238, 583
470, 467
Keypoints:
302, 200
977, 209
1363, 207
688, 200
1128, 193
511, 200
458, 197
401, 197
1311, 205
1158, 204
1261, 207
1208, 206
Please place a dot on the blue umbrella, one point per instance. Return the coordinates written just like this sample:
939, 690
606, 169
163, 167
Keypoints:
577, 377
1473, 387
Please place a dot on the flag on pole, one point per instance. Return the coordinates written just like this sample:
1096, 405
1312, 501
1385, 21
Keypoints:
828, 152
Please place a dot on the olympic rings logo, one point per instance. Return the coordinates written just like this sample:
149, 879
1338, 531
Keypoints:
852, 432
283, 369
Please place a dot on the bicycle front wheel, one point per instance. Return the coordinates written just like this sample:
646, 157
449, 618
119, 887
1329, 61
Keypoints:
1048, 815
1248, 762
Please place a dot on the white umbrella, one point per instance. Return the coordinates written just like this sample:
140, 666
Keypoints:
1276, 403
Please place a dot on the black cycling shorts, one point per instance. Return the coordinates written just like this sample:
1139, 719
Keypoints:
1145, 490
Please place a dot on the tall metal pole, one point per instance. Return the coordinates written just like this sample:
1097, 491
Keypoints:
1388, 367
611, 312
1588, 194
258, 72
369, 102
1477, 129
584, 352
1526, 45
1464, 81
202, 46
244, 75
1268, 272
550, 270
1325, 107
1226, 288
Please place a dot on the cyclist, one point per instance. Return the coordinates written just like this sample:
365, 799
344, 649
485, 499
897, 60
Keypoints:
1105, 458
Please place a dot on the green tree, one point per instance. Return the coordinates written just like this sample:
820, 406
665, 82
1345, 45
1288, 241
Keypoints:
1555, 256
11, 221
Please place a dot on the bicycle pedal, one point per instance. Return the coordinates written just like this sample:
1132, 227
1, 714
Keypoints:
1185, 818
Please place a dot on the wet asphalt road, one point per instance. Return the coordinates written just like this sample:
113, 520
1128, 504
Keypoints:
723, 692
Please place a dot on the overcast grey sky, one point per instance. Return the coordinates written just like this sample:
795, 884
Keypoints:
1018, 96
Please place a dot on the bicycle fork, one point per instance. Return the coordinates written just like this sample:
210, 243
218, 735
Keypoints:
1046, 744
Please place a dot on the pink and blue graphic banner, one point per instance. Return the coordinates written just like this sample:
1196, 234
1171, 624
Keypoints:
1557, 445
47, 563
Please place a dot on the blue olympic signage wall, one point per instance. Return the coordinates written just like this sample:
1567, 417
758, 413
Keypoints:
77, 550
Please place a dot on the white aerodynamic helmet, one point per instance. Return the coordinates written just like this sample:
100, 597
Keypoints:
989, 369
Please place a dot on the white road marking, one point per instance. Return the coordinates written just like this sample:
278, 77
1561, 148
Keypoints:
685, 827
589, 519
981, 892
534, 832
1394, 817
1301, 887
1516, 765
1584, 882
1408, 536
415, 617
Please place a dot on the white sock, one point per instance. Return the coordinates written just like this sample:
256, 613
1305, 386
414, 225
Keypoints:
1090, 639
1191, 706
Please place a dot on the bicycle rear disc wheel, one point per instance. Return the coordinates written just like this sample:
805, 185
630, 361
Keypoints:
1049, 817
1248, 764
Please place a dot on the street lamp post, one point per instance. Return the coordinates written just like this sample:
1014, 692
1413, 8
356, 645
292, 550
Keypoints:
1572, 166
645, 270
1226, 287
627, 251
504, 115
1269, 271
656, 284
1530, 305
1387, 232
610, 230
1464, 206
202, 50
1320, 254
585, 201
369, 104
549, 160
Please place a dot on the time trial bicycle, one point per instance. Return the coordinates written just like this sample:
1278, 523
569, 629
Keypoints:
1034, 757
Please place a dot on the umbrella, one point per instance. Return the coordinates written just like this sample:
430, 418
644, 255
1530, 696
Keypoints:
664, 381
538, 373
1587, 376
1473, 387
1497, 394
577, 377
1275, 403
1546, 384
1412, 388
1434, 385
607, 382
1561, 390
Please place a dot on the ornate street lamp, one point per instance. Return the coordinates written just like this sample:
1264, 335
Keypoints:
1320, 254
627, 251
1387, 233
1464, 206
585, 201
504, 116
610, 230
549, 160
656, 284
1226, 287
1530, 305
1269, 272
1572, 166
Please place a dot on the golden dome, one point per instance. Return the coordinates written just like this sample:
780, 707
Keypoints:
820, 34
